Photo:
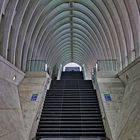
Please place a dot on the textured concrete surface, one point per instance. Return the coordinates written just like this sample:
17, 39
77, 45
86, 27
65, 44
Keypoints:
11, 119
129, 119
17, 114
122, 114
33, 83
110, 109
9, 71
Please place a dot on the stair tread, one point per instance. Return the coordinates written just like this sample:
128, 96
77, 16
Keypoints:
94, 132
71, 109
70, 129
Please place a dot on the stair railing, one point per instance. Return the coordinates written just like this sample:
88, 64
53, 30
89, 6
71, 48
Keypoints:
107, 65
37, 66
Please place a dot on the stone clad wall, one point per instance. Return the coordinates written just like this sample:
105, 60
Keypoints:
34, 83
129, 118
11, 119
19, 115
121, 115
108, 84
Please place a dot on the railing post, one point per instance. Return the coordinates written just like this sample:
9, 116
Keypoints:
84, 71
59, 72
35, 65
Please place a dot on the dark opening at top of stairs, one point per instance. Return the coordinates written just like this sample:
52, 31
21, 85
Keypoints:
71, 111
72, 75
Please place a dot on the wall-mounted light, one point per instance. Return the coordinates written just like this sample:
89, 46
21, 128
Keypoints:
14, 77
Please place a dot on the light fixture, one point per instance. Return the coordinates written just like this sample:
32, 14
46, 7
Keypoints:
14, 77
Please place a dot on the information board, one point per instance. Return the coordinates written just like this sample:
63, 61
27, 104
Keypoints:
34, 97
107, 97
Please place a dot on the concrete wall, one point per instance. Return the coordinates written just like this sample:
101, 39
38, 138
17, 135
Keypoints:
11, 119
129, 119
19, 115
121, 115
107, 84
33, 83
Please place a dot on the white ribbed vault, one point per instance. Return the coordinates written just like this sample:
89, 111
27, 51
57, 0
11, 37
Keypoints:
64, 31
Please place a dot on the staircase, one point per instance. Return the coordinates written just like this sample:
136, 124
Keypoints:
71, 111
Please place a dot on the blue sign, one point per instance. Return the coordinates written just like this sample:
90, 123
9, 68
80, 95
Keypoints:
34, 97
107, 97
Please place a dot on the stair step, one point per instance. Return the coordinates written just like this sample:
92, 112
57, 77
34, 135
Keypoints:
70, 115
72, 119
70, 93
70, 129
71, 110
72, 97
70, 122
70, 138
47, 134
76, 97
72, 100
71, 126
74, 104
61, 105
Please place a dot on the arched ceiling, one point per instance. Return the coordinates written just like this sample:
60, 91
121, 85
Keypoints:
64, 31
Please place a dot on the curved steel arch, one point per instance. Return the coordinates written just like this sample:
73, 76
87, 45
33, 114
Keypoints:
64, 34
66, 38
43, 51
66, 43
97, 27
80, 50
32, 43
104, 25
29, 40
79, 39
27, 26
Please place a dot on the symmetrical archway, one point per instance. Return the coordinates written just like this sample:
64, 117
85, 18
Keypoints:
63, 31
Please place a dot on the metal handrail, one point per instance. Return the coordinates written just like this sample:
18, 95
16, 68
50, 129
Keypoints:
35, 65
107, 65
